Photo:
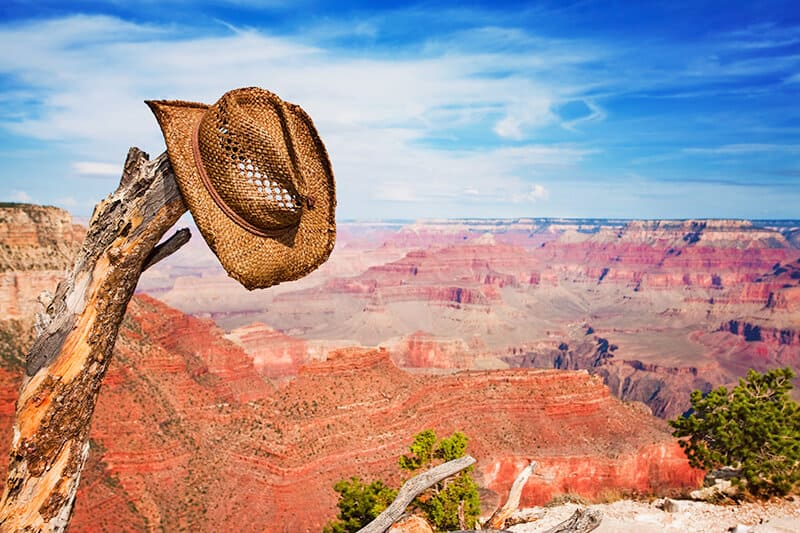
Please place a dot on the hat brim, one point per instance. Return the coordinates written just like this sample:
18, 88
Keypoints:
255, 261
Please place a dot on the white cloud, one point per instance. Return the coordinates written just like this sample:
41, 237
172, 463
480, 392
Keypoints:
66, 202
91, 74
409, 173
537, 192
20, 196
596, 113
761, 36
526, 113
94, 168
509, 127
751, 148
395, 192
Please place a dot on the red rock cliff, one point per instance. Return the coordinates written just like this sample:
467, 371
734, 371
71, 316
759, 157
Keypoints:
276, 459
186, 435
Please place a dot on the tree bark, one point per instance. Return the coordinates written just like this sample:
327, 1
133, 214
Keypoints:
66, 365
498, 519
413, 488
581, 521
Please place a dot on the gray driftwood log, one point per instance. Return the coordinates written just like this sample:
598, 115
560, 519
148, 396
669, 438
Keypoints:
581, 521
66, 365
413, 488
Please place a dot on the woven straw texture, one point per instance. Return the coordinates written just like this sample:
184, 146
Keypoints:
257, 180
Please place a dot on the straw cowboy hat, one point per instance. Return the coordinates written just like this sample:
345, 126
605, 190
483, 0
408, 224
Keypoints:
257, 180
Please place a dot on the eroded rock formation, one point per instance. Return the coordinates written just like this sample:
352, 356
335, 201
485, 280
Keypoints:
36, 247
190, 434
488, 294
187, 434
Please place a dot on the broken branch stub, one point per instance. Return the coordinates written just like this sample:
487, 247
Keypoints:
498, 519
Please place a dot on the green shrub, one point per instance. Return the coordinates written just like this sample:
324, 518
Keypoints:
359, 504
452, 503
421, 449
754, 428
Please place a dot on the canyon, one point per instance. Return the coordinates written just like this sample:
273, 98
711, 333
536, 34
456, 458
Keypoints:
37, 245
205, 443
684, 304
223, 406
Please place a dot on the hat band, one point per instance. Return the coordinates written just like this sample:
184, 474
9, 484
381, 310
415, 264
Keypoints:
230, 213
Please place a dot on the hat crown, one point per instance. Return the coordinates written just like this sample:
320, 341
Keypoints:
246, 147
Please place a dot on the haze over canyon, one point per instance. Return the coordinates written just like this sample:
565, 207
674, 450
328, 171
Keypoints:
657, 308
540, 339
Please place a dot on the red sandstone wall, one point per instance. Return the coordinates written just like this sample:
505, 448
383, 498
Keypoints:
186, 435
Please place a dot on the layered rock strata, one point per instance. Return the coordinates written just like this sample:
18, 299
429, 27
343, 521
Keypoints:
207, 444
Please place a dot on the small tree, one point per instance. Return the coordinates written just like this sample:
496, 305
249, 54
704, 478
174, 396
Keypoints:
454, 502
754, 428
359, 504
422, 452
450, 504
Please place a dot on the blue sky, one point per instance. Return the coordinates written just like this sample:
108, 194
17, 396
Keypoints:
430, 109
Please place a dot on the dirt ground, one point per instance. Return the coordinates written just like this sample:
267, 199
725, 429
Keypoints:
777, 516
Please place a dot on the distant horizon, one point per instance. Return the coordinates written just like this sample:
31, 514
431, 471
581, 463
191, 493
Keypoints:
638, 110
393, 221
570, 219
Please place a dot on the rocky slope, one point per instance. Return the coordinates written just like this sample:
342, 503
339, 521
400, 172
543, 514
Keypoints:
206, 443
275, 355
36, 246
37, 238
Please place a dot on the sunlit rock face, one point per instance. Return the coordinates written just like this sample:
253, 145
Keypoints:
37, 245
233, 446
188, 433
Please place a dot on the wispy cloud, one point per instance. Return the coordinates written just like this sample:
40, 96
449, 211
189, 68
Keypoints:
94, 168
67, 202
536, 193
20, 196
426, 111
595, 114
740, 149
90, 75
763, 35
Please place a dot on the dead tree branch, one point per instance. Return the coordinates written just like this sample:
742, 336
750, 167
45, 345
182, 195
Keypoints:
66, 364
581, 521
167, 248
498, 519
413, 488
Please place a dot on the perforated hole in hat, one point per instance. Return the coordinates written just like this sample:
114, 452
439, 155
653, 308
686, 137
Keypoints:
270, 191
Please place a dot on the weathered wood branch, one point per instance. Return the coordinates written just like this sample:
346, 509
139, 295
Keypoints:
581, 521
413, 488
480, 531
167, 248
498, 519
66, 365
